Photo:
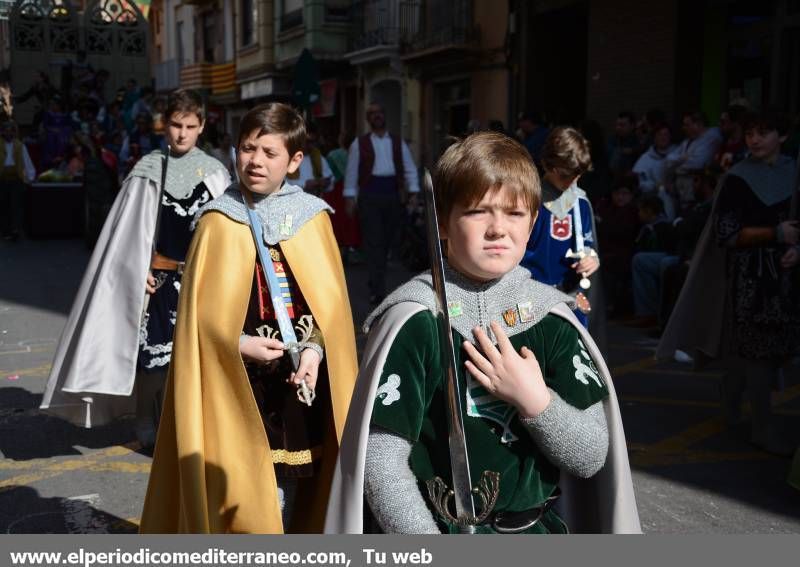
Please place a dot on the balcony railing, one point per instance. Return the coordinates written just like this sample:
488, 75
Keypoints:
383, 22
168, 74
218, 78
443, 23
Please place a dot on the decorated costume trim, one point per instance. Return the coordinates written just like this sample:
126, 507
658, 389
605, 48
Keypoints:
184, 172
282, 214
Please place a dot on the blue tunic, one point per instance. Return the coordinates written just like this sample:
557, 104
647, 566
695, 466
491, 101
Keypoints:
554, 234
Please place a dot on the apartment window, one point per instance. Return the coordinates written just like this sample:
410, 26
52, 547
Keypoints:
249, 18
292, 14
209, 37
337, 10
179, 42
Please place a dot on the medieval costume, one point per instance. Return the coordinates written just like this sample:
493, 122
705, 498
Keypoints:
738, 304
566, 224
109, 335
231, 433
401, 388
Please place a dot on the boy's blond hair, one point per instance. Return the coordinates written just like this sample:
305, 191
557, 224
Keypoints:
275, 118
484, 162
566, 152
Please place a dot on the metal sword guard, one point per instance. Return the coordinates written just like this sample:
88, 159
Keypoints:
487, 492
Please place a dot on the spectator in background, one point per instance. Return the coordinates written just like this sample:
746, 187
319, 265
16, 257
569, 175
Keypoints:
645, 127
345, 228
651, 167
655, 253
617, 220
623, 147
693, 155
110, 118
144, 104
534, 134
43, 92
314, 174
143, 136
159, 108
17, 170
733, 148
380, 171
129, 97
226, 153
56, 131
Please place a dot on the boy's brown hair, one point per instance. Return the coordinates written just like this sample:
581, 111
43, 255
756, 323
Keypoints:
566, 152
185, 101
484, 162
275, 118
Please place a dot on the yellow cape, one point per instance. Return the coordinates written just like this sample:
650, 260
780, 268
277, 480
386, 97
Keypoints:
212, 469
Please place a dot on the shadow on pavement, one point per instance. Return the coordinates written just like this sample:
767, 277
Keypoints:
26, 433
24, 511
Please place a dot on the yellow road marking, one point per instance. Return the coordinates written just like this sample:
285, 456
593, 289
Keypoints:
28, 350
41, 370
91, 463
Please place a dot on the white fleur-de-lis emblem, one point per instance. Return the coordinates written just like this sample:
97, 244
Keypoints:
388, 393
585, 369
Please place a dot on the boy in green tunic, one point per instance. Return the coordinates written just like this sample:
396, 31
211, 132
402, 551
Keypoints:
539, 407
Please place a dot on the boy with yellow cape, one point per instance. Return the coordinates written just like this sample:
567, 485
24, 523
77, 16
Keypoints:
237, 450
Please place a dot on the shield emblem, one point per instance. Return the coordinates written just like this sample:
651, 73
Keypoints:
561, 229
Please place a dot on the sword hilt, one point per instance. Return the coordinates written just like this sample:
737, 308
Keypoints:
305, 394
487, 491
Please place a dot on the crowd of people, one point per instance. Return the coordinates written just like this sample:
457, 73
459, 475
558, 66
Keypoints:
697, 237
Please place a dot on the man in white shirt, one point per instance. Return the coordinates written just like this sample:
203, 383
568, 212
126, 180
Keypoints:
17, 171
379, 164
692, 155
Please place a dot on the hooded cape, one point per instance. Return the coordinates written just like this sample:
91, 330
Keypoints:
604, 503
212, 469
94, 369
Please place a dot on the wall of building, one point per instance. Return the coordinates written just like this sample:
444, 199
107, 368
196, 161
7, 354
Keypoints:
631, 58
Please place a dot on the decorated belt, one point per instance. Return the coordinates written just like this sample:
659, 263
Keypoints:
517, 522
160, 262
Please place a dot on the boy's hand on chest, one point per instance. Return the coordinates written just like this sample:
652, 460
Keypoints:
514, 377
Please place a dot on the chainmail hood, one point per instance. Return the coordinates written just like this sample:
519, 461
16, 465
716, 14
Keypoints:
479, 303
184, 173
282, 213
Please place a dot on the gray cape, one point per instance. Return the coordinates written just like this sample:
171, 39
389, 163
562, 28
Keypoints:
604, 503
94, 369
696, 325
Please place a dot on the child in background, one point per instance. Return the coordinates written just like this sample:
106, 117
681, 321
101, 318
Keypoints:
561, 251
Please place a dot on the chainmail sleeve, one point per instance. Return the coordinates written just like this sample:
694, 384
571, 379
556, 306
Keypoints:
574, 440
391, 487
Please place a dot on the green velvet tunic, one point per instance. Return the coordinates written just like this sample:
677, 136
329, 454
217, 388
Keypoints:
411, 402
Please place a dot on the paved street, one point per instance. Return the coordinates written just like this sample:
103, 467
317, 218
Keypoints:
690, 474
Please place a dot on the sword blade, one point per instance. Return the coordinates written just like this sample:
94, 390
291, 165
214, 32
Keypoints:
459, 459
